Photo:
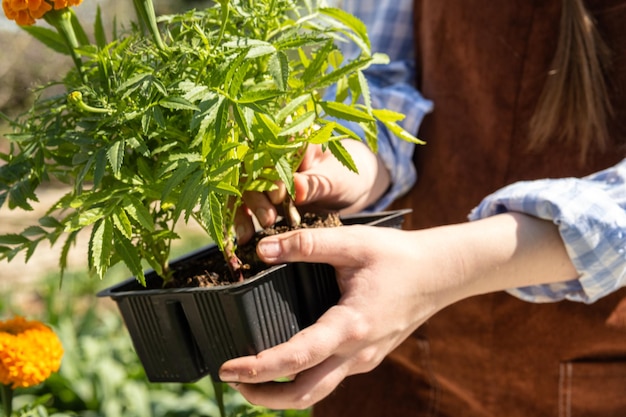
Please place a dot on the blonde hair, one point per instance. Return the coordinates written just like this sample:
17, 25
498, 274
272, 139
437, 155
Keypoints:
574, 105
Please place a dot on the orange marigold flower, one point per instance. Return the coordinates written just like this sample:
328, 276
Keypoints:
29, 352
60, 4
25, 12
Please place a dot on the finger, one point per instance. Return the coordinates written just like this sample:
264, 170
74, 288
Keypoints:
262, 207
278, 195
312, 188
328, 245
245, 226
308, 388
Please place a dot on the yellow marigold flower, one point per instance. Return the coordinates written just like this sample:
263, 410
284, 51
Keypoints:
29, 352
25, 12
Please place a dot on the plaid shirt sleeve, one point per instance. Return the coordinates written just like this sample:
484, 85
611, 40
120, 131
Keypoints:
390, 27
590, 213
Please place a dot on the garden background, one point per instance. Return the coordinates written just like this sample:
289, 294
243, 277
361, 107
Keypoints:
100, 374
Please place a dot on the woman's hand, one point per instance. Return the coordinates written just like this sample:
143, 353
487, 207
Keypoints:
322, 183
391, 282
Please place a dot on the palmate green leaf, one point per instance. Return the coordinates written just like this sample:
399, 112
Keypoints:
30, 251
83, 219
87, 165
221, 122
364, 90
182, 171
13, 239
300, 124
319, 63
65, 250
284, 170
323, 134
342, 155
122, 222
253, 48
101, 247
345, 112
50, 222
353, 28
234, 87
291, 40
233, 71
115, 154
346, 132
204, 122
21, 193
194, 92
403, 134
177, 103
129, 254
370, 129
261, 185
138, 212
292, 106
255, 96
255, 162
214, 221
267, 128
385, 115
224, 167
225, 189
278, 68
32, 231
349, 20
243, 117
189, 196
334, 76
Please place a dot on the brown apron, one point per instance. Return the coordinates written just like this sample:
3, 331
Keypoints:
484, 63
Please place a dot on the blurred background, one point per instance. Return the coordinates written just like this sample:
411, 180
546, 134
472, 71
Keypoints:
100, 374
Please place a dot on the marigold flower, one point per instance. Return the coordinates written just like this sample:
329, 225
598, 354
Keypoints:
25, 12
29, 352
60, 4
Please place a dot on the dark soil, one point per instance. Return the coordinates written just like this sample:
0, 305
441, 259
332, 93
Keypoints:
213, 271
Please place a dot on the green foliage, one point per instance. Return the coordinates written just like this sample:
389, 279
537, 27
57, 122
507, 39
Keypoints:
177, 126
100, 375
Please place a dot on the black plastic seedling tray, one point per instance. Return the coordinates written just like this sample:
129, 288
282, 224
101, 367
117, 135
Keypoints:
184, 334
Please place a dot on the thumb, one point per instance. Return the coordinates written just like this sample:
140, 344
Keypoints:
328, 245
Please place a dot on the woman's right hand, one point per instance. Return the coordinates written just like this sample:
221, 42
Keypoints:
322, 183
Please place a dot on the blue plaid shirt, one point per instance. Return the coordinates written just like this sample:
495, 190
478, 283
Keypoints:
590, 212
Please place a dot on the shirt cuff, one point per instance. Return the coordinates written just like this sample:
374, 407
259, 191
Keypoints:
590, 214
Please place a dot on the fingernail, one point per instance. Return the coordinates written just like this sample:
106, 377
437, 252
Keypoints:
228, 376
269, 248
262, 216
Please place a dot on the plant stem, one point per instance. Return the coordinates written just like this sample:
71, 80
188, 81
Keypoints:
61, 20
225, 13
145, 12
6, 393
292, 215
218, 389
76, 98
